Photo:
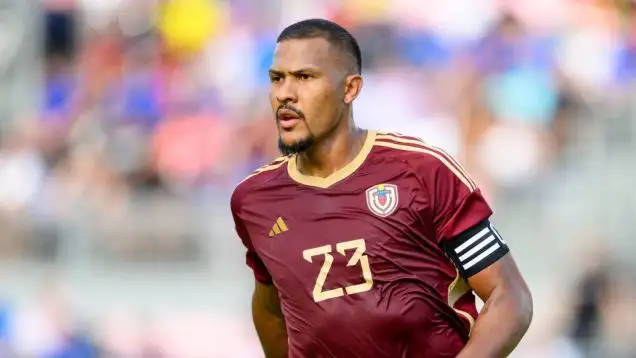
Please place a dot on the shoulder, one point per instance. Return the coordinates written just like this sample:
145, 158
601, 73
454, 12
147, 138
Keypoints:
411, 149
256, 180
426, 160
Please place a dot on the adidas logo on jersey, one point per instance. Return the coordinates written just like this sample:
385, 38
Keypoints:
278, 228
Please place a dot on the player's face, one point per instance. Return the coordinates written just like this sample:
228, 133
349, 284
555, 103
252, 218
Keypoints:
306, 92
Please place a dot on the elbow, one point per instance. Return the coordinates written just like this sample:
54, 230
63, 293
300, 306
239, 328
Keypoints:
525, 309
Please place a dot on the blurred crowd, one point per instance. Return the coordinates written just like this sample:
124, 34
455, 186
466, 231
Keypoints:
151, 110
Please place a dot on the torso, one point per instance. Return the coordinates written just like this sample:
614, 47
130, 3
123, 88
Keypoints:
354, 260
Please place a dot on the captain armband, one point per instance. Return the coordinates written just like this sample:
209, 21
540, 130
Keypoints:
476, 248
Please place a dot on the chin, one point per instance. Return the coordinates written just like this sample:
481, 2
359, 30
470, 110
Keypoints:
294, 136
292, 144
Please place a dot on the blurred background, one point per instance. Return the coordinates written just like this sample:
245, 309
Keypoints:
125, 124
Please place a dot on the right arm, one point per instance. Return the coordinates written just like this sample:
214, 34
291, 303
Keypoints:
269, 321
266, 311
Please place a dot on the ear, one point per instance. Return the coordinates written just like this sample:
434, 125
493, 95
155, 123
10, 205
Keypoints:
353, 86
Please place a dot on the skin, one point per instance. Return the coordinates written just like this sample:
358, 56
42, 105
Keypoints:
506, 314
317, 81
269, 321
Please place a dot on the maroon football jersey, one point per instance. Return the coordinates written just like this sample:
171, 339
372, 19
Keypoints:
357, 256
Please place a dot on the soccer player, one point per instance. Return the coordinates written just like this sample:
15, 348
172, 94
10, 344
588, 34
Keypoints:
367, 244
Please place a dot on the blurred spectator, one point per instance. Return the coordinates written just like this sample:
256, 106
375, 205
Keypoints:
44, 328
22, 170
604, 289
625, 71
588, 47
60, 28
521, 95
192, 149
590, 296
60, 90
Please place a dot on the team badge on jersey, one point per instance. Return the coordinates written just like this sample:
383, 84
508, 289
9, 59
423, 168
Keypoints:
382, 199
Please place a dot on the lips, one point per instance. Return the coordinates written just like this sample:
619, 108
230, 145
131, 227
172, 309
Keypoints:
288, 119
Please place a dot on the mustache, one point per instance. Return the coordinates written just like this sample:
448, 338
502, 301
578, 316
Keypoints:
288, 107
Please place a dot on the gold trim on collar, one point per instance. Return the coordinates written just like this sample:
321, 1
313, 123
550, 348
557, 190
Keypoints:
339, 174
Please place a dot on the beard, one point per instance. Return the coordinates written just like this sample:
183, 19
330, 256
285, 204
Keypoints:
296, 147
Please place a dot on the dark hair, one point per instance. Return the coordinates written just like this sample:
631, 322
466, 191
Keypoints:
336, 35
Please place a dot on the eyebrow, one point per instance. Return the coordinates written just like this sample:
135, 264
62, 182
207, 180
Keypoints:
274, 71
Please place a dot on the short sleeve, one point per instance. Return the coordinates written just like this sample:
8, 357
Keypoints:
251, 257
456, 203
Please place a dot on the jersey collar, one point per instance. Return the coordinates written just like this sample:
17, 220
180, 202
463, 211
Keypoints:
339, 174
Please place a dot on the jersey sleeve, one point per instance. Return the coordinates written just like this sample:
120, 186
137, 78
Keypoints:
460, 216
456, 203
251, 257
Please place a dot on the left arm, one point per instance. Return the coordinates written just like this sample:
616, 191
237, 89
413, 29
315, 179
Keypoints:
483, 259
460, 215
506, 314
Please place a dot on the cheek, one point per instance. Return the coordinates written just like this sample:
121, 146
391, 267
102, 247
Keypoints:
272, 100
319, 106
327, 112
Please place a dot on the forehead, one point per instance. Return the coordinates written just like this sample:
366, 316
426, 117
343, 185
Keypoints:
301, 53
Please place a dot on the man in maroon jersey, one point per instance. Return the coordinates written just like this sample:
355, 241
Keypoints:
367, 244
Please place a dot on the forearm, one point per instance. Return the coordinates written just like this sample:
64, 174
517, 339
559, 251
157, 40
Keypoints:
271, 330
503, 321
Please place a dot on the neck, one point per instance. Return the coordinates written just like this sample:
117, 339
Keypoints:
334, 152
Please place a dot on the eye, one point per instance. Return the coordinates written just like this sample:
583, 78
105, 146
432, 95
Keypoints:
274, 78
304, 76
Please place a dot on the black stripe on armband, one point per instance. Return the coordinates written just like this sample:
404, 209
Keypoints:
476, 248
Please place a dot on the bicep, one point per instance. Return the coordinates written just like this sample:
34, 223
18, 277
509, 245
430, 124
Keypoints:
503, 274
483, 258
269, 320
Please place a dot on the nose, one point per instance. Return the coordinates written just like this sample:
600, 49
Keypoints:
286, 92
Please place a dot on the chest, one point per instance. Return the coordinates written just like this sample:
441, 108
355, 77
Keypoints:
289, 219
331, 240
